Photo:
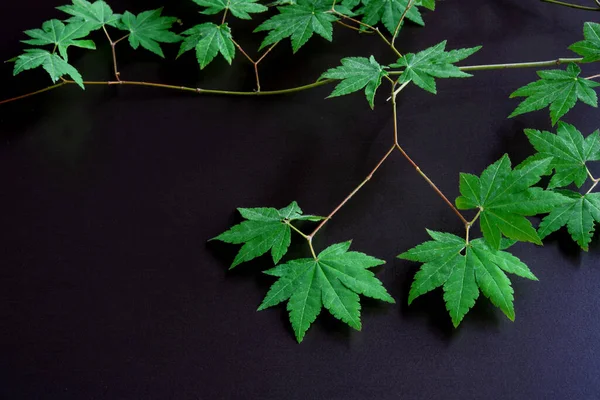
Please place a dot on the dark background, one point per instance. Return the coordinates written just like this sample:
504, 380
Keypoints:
108, 289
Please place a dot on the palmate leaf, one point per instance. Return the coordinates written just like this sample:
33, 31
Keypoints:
505, 197
51, 62
558, 89
389, 12
265, 229
569, 151
578, 215
298, 22
434, 62
209, 39
148, 29
97, 14
357, 73
462, 276
56, 33
334, 280
238, 8
589, 48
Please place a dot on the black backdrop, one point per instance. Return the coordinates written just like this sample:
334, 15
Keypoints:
108, 289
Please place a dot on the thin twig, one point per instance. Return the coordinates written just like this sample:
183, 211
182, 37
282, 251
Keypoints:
33, 93
374, 29
562, 3
593, 76
114, 53
397, 30
353, 192
435, 188
242, 51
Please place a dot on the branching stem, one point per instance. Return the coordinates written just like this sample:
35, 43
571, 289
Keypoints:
254, 63
367, 179
114, 53
562, 3
594, 180
397, 30
374, 29
470, 224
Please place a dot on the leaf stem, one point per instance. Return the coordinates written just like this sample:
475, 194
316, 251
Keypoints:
367, 179
374, 29
593, 76
470, 224
296, 229
594, 180
562, 3
397, 30
410, 160
114, 53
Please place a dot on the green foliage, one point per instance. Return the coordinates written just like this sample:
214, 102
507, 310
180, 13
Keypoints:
569, 152
238, 8
356, 73
558, 89
463, 275
578, 215
299, 21
265, 229
209, 39
505, 197
51, 62
333, 280
98, 14
434, 62
56, 33
589, 48
148, 29
389, 12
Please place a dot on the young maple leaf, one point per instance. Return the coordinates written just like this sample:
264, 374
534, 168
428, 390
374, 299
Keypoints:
558, 89
97, 14
56, 33
333, 280
589, 48
356, 73
51, 62
299, 21
463, 275
208, 39
434, 62
569, 152
148, 29
265, 229
389, 12
578, 215
505, 197
238, 8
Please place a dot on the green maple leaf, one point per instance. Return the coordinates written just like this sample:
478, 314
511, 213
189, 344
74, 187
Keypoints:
578, 215
97, 14
265, 229
505, 197
356, 73
389, 12
434, 62
462, 276
589, 48
334, 280
209, 39
570, 152
558, 89
56, 33
299, 21
238, 8
148, 29
51, 62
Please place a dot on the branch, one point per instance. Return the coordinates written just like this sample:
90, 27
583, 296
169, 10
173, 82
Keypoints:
407, 157
33, 93
571, 5
367, 179
397, 30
